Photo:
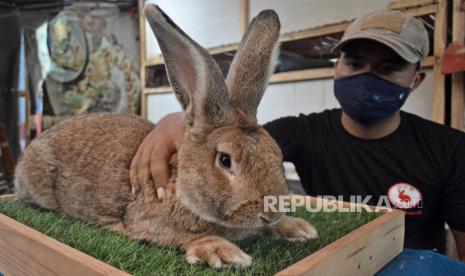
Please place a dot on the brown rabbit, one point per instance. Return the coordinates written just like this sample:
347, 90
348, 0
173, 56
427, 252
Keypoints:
226, 162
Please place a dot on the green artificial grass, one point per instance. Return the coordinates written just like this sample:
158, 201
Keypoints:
138, 258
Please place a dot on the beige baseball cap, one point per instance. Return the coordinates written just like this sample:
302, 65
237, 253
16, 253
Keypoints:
404, 34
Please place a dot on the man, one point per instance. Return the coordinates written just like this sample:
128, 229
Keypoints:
368, 147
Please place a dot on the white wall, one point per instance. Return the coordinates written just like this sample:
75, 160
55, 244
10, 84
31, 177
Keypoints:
288, 99
159, 105
420, 102
209, 22
301, 14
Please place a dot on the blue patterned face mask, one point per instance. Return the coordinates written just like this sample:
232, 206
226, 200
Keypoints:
367, 98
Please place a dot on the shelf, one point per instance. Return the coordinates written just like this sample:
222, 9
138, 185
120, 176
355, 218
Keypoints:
157, 90
157, 60
429, 62
404, 4
300, 75
425, 10
314, 32
223, 49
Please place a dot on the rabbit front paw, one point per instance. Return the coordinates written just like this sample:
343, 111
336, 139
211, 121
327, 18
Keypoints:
293, 229
216, 251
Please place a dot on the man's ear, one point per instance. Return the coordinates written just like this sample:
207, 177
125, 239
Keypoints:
336, 66
419, 78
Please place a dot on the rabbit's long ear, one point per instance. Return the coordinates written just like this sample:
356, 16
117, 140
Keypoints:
195, 77
254, 62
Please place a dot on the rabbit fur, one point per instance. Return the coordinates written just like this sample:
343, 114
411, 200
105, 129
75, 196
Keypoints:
80, 167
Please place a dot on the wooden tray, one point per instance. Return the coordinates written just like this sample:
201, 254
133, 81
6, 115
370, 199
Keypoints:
25, 251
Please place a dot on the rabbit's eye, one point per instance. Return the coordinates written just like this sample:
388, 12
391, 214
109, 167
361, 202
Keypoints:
225, 160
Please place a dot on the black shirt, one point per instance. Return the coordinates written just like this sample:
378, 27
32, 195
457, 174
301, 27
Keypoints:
420, 168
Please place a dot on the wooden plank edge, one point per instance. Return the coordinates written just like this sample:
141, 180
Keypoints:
26, 251
360, 247
7, 197
245, 15
429, 62
439, 97
402, 4
28, 109
425, 10
156, 60
457, 102
143, 59
314, 32
458, 90
158, 90
223, 49
302, 75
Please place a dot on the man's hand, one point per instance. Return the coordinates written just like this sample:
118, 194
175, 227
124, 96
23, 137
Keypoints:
154, 154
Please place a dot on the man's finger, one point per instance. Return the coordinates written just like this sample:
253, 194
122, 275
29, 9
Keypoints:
133, 170
133, 181
160, 172
134, 162
143, 166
